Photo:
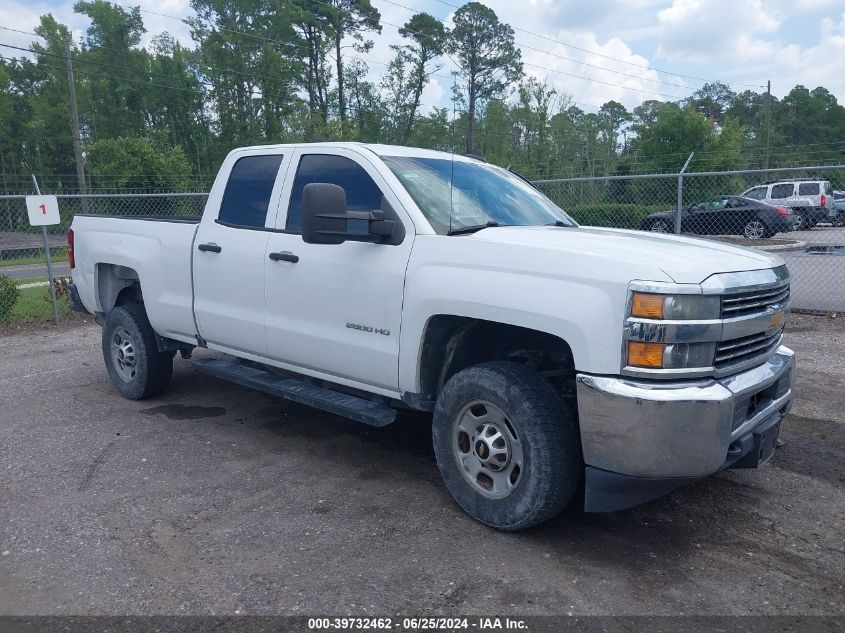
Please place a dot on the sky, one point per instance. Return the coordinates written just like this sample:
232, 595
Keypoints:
593, 51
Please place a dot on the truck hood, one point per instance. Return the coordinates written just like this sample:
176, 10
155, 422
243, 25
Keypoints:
683, 259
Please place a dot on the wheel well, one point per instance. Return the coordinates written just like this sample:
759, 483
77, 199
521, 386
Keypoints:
452, 343
117, 286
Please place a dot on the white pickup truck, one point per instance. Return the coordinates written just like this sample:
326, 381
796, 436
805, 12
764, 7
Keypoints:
363, 279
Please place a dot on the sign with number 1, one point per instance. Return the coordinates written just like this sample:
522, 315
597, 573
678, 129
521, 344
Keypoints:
43, 210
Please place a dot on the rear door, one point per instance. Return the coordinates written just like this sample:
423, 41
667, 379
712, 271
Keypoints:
228, 257
708, 218
336, 308
783, 194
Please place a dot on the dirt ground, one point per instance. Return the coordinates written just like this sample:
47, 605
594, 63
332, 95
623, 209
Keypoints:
216, 500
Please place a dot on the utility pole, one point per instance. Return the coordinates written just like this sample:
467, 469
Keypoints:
768, 118
74, 117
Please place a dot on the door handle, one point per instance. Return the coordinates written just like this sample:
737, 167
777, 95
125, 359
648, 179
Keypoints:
285, 256
210, 248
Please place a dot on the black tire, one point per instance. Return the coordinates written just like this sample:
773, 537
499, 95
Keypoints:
151, 369
546, 432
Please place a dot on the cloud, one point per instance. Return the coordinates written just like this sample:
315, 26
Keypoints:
701, 31
757, 39
818, 65
636, 85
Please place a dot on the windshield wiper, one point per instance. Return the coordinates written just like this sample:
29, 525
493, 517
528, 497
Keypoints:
472, 229
559, 223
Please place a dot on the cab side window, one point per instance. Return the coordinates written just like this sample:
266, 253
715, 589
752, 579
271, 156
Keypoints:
779, 192
247, 195
758, 193
362, 193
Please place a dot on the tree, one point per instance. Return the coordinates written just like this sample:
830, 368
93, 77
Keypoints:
397, 86
313, 23
713, 100
428, 39
160, 167
249, 53
350, 18
114, 69
486, 55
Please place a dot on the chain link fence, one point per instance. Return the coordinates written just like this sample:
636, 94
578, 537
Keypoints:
794, 211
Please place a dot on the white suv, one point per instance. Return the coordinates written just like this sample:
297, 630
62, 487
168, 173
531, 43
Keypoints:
810, 200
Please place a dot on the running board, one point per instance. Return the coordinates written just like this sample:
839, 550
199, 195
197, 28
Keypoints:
359, 409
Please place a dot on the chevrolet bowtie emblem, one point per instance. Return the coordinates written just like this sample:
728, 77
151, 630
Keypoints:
777, 319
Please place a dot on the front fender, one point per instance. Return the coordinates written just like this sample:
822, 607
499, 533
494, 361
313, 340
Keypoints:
586, 315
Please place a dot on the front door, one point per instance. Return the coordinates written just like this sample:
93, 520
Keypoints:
336, 308
228, 258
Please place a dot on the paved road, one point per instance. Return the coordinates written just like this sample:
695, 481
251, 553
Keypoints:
215, 499
27, 271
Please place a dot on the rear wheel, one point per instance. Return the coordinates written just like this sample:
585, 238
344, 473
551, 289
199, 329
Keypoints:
507, 449
802, 222
136, 368
660, 226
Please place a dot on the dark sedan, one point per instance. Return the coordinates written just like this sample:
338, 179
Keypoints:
725, 215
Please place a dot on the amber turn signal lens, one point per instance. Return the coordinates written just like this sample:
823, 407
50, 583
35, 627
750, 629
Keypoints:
645, 354
647, 305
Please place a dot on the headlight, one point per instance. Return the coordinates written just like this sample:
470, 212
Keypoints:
646, 305
670, 355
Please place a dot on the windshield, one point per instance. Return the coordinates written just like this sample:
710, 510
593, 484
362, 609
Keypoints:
460, 194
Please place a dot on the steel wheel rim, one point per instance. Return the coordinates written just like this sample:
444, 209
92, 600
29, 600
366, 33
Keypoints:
798, 223
487, 449
123, 354
660, 227
754, 230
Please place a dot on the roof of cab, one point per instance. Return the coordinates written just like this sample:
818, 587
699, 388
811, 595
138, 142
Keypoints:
376, 148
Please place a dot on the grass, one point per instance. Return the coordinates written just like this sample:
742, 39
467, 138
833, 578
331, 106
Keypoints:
58, 257
34, 305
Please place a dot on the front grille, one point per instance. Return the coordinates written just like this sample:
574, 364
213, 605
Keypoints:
742, 303
739, 350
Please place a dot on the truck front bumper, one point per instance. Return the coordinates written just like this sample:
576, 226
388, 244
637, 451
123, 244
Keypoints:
643, 438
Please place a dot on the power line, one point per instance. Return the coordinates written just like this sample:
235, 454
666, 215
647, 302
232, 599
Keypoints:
616, 59
564, 57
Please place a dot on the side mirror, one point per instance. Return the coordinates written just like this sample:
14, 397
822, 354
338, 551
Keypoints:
326, 220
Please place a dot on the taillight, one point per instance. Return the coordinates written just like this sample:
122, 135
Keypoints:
783, 211
70, 258
824, 200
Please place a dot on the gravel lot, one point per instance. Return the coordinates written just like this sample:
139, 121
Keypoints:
217, 500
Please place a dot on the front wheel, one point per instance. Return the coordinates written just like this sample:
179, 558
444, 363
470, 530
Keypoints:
508, 451
133, 361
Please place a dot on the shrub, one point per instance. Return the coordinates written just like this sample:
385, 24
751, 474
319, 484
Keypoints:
620, 216
8, 297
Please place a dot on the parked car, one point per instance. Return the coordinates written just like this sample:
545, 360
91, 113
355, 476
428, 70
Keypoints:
810, 200
839, 206
362, 279
725, 215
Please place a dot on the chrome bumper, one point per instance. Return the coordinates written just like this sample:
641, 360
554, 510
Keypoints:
678, 429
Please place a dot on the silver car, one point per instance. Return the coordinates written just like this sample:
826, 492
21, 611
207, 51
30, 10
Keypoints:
810, 200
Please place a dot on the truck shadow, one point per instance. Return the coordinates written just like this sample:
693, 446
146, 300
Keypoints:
732, 512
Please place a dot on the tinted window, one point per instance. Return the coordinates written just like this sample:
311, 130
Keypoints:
362, 193
248, 191
782, 191
808, 189
758, 193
